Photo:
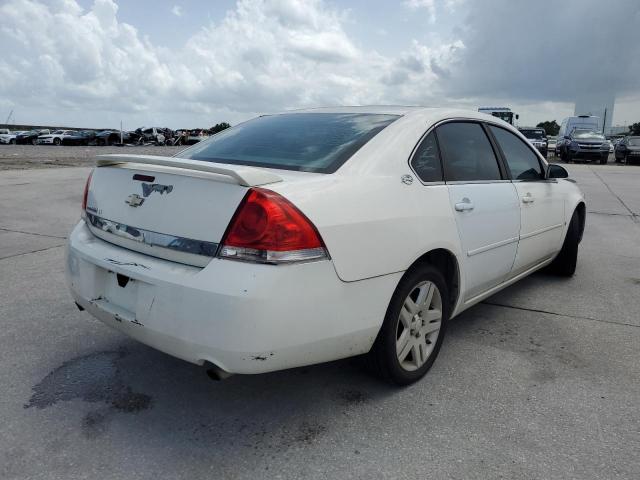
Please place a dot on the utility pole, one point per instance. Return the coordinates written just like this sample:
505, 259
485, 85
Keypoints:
604, 122
120, 132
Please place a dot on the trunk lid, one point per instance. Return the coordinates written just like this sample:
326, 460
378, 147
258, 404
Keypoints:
167, 207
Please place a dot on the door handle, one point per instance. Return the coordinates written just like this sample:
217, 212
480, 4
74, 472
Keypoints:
528, 198
464, 205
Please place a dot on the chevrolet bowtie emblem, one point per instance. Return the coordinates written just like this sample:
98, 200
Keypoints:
134, 200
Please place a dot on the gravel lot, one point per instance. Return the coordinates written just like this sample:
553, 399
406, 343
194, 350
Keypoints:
22, 157
541, 381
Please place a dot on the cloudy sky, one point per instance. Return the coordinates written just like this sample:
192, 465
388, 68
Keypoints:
188, 63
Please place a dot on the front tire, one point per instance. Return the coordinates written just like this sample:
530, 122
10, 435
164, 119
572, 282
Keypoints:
567, 260
57, 142
413, 328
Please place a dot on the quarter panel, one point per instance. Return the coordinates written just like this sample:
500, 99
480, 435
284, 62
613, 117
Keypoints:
375, 225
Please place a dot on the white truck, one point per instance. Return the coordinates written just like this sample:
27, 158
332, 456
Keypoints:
503, 113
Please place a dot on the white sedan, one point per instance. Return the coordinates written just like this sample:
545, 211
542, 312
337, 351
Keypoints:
9, 138
310, 236
54, 138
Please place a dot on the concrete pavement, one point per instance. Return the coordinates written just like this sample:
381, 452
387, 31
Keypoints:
540, 381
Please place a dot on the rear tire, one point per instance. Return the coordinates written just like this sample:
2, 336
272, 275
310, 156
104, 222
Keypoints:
34, 141
12, 141
567, 260
413, 328
57, 142
603, 160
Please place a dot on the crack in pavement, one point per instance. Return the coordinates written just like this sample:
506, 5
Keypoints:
631, 212
548, 312
33, 251
32, 233
609, 213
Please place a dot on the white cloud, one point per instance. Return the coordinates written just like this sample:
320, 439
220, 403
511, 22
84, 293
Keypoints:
428, 5
177, 10
263, 56
62, 61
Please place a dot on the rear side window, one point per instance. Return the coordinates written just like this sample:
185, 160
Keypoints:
521, 160
426, 160
311, 142
467, 153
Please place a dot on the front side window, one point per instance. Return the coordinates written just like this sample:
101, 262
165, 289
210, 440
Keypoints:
426, 160
467, 153
521, 160
310, 142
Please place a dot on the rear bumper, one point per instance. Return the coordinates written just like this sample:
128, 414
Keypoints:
242, 317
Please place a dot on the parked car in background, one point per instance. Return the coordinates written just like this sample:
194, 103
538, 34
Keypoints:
9, 138
628, 150
4, 131
180, 137
54, 138
304, 237
153, 135
569, 124
197, 135
112, 137
30, 137
537, 137
83, 137
584, 145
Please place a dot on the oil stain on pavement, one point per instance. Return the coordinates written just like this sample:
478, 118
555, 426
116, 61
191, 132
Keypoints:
93, 378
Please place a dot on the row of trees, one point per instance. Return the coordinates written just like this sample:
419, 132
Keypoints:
552, 127
218, 127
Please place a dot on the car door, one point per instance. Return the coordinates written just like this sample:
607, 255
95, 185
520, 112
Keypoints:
484, 202
541, 203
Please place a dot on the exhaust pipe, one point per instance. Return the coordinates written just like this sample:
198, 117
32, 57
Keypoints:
215, 373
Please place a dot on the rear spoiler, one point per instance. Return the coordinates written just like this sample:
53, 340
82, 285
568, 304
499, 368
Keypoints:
243, 175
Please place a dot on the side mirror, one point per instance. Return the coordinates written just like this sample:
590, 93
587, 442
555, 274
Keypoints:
556, 171
517, 117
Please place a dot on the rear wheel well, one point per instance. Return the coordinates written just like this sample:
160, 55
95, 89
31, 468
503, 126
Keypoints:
447, 264
581, 210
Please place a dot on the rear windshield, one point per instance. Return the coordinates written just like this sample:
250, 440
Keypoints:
310, 142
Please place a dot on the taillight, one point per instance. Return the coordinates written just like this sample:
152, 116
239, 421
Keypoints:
268, 228
86, 194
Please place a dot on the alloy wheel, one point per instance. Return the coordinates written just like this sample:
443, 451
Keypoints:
418, 325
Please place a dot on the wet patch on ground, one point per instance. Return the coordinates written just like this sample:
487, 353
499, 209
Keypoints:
261, 437
353, 397
93, 378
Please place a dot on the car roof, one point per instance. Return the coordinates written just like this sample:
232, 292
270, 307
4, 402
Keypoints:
417, 113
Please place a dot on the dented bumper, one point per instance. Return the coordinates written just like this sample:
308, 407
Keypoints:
242, 317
